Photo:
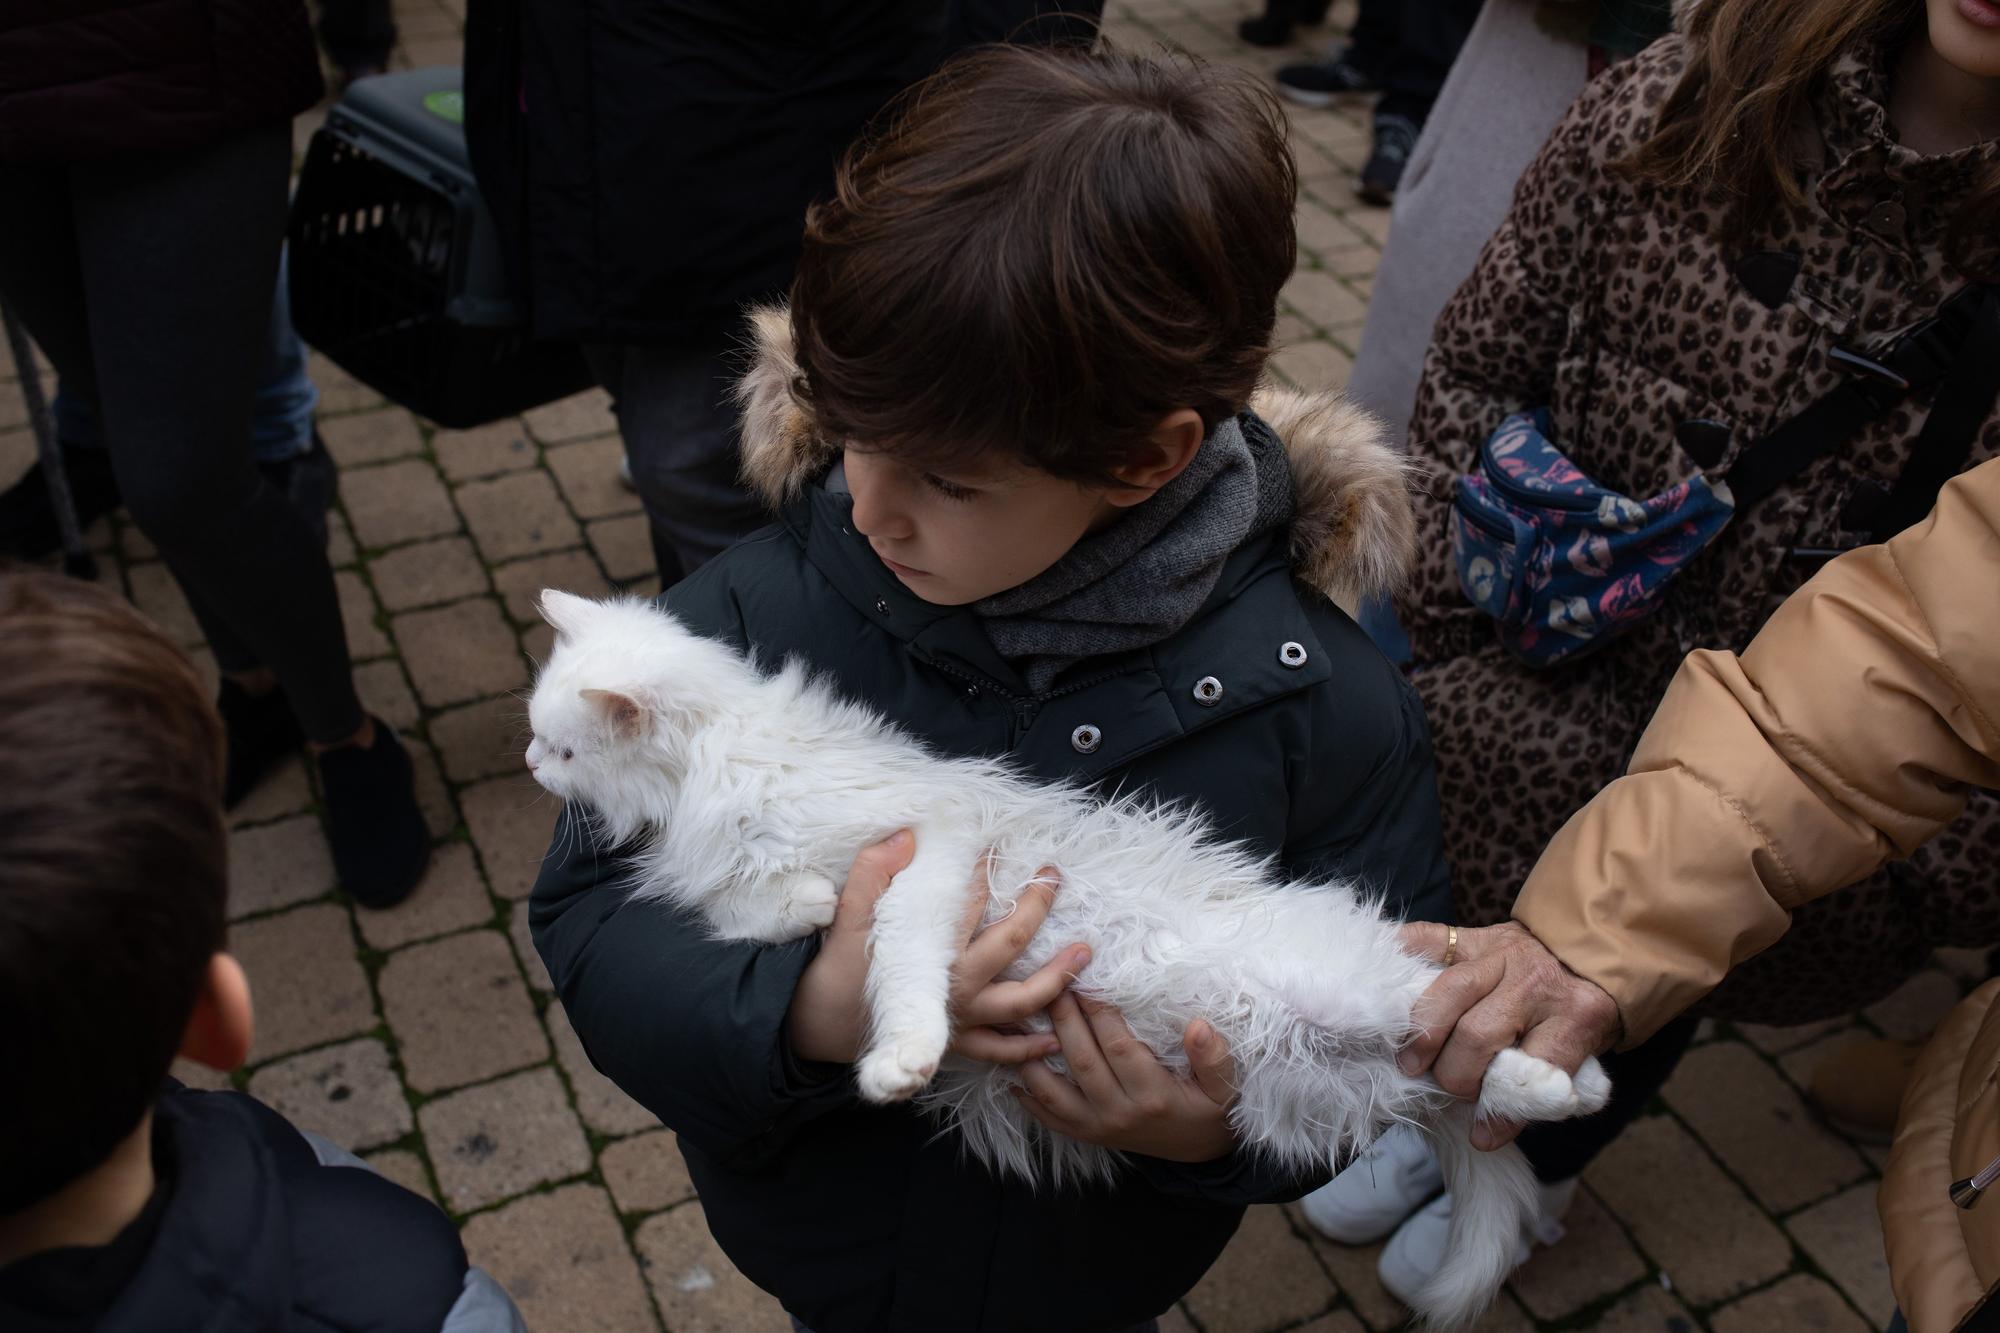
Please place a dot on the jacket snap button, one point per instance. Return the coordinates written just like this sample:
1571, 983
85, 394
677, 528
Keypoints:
1208, 691
1085, 739
1292, 655
882, 605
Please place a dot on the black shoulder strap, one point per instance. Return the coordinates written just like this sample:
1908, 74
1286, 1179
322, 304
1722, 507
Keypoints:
1919, 359
1963, 403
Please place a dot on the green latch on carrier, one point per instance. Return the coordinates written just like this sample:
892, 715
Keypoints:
446, 105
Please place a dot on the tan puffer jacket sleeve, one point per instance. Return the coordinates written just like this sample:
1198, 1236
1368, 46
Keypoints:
1846, 735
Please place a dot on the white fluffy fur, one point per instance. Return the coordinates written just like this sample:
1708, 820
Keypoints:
753, 793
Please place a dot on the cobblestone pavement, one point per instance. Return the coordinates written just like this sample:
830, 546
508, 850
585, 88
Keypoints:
426, 1038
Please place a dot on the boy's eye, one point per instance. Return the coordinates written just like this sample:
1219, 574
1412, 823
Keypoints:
948, 490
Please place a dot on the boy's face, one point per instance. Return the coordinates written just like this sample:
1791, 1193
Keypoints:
956, 537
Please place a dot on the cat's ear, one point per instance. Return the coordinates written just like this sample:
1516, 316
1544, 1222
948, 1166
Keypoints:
566, 611
627, 717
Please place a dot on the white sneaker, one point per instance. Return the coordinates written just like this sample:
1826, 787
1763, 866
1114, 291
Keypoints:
1380, 1188
1417, 1251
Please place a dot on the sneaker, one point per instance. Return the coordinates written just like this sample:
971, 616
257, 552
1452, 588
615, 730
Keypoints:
1395, 140
260, 732
1319, 84
1417, 1251
1859, 1087
28, 528
1377, 1190
310, 481
380, 845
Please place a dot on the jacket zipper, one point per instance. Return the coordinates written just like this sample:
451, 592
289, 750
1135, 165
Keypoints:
1968, 1192
1515, 491
1479, 518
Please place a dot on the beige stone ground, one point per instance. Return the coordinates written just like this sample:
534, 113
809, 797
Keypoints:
426, 1037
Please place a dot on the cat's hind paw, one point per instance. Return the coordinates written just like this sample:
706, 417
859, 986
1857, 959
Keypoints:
808, 905
1520, 1087
897, 1069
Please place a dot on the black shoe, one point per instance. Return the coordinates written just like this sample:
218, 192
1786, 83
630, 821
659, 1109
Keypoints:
28, 528
261, 733
1395, 138
1319, 84
1274, 26
380, 844
310, 481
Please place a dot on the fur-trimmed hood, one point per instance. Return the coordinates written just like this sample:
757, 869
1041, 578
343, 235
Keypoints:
1353, 531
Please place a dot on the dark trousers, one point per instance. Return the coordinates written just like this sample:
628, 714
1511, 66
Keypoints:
148, 279
357, 32
1408, 46
679, 425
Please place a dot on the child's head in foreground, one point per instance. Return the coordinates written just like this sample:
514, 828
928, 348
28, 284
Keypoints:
112, 896
1032, 297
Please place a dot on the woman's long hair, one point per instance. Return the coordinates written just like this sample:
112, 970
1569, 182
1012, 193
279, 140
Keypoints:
1732, 125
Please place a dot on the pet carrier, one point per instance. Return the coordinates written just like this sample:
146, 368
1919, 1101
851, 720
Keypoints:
397, 273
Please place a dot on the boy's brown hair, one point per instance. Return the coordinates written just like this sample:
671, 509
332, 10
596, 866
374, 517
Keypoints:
113, 872
1042, 254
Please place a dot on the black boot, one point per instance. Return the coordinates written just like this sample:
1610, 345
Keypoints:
261, 733
380, 844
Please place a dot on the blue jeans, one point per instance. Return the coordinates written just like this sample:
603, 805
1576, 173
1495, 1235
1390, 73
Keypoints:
281, 420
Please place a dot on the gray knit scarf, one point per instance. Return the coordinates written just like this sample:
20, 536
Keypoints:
1141, 579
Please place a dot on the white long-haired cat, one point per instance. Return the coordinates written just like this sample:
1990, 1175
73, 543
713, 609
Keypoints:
751, 795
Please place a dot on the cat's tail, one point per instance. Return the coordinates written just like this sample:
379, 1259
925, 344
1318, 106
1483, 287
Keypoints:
1493, 1196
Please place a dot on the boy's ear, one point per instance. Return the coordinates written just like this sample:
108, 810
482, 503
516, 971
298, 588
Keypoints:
565, 610
628, 718
219, 1030
1168, 450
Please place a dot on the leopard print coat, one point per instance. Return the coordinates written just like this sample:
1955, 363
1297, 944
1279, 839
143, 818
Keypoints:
1612, 304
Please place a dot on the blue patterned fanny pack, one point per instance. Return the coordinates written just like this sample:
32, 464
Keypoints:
1562, 564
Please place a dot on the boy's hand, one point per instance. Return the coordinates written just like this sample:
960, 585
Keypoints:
1124, 1098
828, 1013
985, 1013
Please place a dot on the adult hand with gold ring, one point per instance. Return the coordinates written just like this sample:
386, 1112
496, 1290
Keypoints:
1501, 989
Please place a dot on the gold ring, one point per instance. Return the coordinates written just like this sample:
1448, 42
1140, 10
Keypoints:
1451, 946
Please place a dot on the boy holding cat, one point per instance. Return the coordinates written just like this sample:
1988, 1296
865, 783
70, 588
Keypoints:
130, 1204
1025, 509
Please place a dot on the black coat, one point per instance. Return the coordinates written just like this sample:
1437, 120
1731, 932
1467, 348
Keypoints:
853, 1214
251, 1232
81, 81
650, 163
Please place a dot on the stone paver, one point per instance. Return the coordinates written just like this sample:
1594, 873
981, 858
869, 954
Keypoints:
1267, 1278
398, 502
306, 983
1799, 1304
427, 574
1685, 1214
277, 865
645, 1172
483, 451
1757, 1214
1844, 1237
449, 897
499, 1139
1591, 1261
349, 1093
461, 652
1759, 1127
460, 1009
698, 1289
517, 514
563, 1258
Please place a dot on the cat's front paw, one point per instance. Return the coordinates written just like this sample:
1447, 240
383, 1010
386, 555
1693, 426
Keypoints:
1520, 1087
897, 1069
808, 905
